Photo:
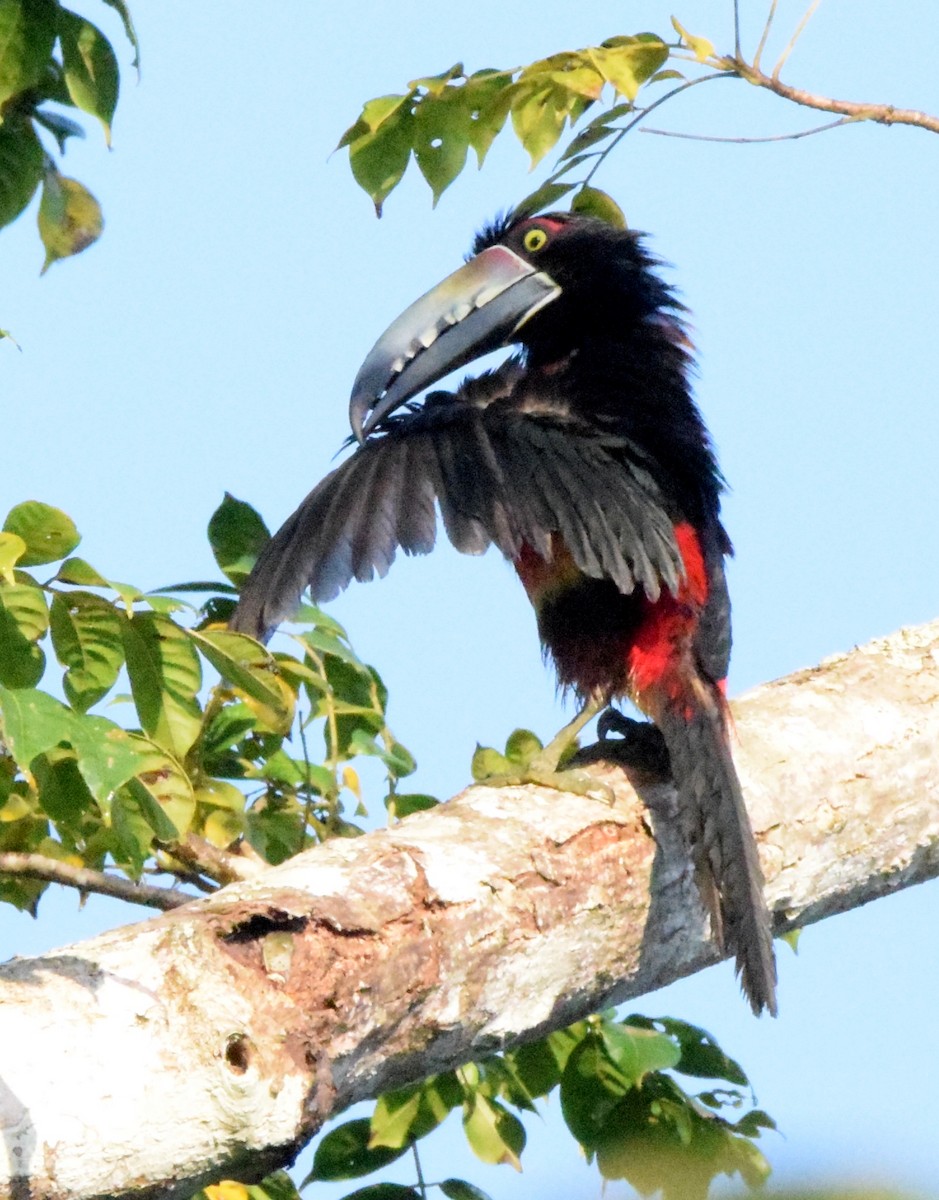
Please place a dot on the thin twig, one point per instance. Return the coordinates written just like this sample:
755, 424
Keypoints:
737, 50
38, 866
751, 141
766, 28
806, 17
421, 1185
683, 87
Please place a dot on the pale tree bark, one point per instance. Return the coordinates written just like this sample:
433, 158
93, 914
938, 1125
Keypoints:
213, 1041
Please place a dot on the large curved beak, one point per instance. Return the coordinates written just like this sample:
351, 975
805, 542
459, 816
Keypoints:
478, 308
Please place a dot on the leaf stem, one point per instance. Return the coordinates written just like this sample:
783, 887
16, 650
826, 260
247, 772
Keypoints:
421, 1185
641, 116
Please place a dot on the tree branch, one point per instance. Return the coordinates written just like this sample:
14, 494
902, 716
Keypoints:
262, 1010
882, 114
39, 866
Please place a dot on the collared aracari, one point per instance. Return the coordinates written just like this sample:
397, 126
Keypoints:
585, 460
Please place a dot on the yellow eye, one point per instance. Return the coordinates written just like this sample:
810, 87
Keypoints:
534, 239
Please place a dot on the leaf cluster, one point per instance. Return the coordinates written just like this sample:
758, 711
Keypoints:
231, 772
53, 59
620, 1098
440, 118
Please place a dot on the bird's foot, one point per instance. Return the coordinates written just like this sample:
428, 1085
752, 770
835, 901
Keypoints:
639, 748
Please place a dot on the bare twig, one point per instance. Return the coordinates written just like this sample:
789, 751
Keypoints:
737, 51
749, 141
726, 73
766, 28
790, 46
39, 866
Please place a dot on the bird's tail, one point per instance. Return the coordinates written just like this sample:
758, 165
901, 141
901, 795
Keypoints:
718, 831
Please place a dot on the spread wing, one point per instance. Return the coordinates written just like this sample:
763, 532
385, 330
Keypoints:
500, 476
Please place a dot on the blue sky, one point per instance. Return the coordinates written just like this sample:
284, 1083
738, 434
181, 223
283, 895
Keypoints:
209, 341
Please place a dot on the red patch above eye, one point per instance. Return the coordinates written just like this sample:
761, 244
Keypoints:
550, 223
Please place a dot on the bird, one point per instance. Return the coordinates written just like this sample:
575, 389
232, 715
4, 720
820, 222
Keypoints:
585, 460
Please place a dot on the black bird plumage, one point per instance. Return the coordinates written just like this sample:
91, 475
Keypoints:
585, 461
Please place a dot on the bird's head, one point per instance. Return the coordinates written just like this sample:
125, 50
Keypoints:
544, 282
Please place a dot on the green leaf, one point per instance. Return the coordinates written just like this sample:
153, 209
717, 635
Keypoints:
24, 619
591, 1088
494, 1134
627, 62
61, 128
521, 747
380, 145
400, 806
538, 118
489, 764
63, 793
441, 131
69, 217
636, 1052
345, 1153
384, 1191
27, 34
91, 72
392, 1124
701, 1056
48, 533
541, 198
34, 723
153, 814
459, 1189
593, 202
237, 536
435, 84
86, 636
488, 99
410, 1113
309, 614
537, 1066
246, 665
124, 12
21, 167
165, 678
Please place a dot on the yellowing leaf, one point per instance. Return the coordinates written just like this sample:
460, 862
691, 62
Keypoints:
12, 549
69, 218
701, 47
350, 779
227, 1190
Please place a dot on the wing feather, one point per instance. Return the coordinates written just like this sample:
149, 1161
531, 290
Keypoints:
499, 476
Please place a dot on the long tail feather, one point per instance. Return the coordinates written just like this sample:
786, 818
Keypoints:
717, 827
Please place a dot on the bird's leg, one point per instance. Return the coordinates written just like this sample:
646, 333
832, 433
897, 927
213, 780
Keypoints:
564, 743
